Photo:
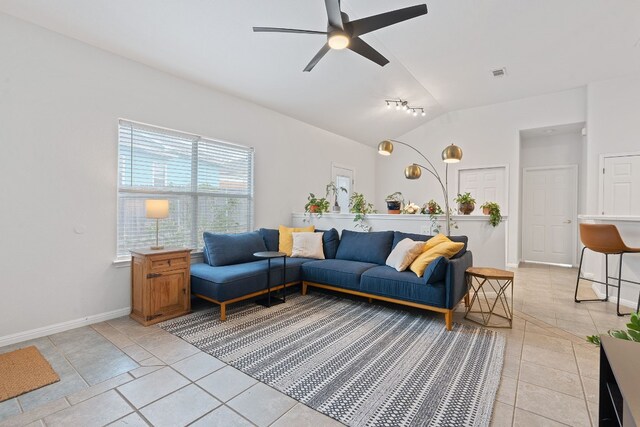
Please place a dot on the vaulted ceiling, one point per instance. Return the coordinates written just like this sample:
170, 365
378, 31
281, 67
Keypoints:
440, 61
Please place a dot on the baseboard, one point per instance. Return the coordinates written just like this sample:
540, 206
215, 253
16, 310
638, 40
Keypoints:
61, 327
612, 298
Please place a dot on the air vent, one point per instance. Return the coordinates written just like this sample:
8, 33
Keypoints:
499, 72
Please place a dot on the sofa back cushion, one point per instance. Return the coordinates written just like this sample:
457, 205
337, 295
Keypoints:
271, 238
399, 235
373, 247
228, 249
330, 242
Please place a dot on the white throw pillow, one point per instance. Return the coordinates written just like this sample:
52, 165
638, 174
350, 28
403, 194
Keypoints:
307, 245
405, 252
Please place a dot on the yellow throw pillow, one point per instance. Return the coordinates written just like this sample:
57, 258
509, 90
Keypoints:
435, 241
285, 243
445, 249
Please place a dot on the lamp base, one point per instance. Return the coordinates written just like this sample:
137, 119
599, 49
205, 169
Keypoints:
157, 248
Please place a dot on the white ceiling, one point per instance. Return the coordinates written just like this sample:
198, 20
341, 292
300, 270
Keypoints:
440, 61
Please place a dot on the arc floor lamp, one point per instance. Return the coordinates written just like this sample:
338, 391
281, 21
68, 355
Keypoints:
451, 154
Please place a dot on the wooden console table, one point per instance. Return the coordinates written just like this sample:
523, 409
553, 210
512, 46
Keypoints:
160, 284
619, 382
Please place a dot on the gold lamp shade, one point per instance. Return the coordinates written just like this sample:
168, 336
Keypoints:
385, 148
412, 171
452, 154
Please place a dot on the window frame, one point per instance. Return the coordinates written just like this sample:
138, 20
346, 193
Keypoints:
193, 193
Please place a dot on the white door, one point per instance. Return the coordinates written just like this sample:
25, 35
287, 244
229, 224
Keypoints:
549, 212
621, 185
485, 185
343, 176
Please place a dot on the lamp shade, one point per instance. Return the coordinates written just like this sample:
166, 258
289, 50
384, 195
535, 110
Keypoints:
452, 154
412, 172
385, 148
156, 209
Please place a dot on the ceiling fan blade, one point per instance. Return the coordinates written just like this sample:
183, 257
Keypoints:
375, 22
318, 57
334, 14
362, 48
285, 30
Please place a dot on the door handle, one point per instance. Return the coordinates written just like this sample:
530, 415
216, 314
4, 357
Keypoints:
567, 221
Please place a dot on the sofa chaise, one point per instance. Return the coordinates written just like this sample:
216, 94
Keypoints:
354, 263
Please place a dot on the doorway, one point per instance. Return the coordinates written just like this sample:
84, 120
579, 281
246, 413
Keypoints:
549, 213
343, 176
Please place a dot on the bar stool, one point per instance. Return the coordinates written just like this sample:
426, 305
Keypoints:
605, 239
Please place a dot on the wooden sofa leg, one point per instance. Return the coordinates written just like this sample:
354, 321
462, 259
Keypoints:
223, 312
303, 289
448, 319
370, 300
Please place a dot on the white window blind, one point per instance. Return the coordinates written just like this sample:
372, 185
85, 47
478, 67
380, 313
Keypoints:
209, 185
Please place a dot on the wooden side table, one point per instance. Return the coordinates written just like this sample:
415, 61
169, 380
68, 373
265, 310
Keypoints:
160, 284
479, 279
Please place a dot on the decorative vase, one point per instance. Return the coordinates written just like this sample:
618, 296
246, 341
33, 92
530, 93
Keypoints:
313, 209
393, 206
336, 207
466, 208
486, 211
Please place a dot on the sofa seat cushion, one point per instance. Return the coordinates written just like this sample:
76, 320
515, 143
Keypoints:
403, 285
373, 247
232, 281
336, 272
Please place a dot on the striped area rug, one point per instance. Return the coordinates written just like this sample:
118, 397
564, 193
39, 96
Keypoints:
362, 364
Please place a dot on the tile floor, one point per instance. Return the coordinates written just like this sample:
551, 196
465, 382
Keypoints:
121, 373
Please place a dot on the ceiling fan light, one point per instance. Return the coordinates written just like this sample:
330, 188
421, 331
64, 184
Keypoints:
423, 113
338, 41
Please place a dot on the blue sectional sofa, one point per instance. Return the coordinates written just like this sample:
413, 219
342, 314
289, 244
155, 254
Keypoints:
354, 264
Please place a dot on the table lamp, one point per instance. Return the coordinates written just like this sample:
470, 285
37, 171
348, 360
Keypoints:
156, 209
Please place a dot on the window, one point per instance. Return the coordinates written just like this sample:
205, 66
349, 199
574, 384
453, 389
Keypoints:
209, 185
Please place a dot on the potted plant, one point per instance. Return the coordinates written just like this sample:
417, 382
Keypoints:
493, 210
631, 334
466, 203
332, 189
316, 205
432, 208
394, 202
358, 205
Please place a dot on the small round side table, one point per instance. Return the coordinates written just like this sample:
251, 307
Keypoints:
269, 255
497, 283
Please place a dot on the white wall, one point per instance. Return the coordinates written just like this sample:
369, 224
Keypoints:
488, 136
60, 101
613, 126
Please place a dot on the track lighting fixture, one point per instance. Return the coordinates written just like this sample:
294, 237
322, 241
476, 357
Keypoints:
403, 105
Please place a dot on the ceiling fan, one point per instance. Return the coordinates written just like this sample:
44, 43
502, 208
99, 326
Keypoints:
342, 33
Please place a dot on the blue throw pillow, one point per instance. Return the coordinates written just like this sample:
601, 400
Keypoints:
436, 270
205, 255
330, 242
271, 238
228, 249
372, 247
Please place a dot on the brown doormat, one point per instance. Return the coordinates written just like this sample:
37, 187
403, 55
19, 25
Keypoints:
24, 370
